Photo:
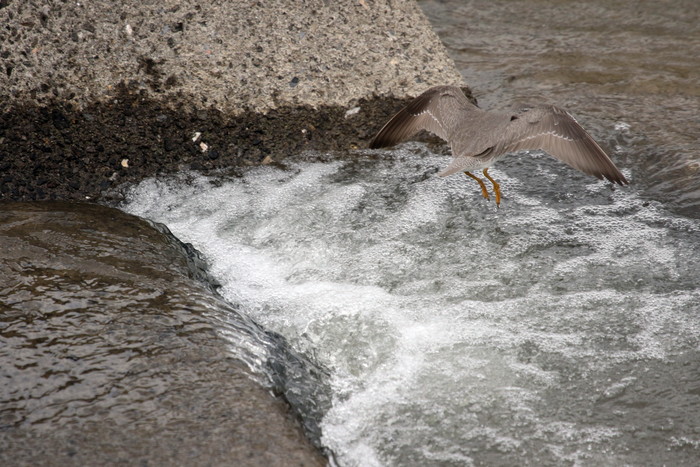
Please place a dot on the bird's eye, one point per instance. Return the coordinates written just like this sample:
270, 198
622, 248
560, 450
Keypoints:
514, 117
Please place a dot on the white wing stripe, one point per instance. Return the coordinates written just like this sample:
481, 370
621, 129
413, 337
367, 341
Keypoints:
544, 133
427, 111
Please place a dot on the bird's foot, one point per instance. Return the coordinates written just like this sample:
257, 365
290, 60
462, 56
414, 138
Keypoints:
496, 187
484, 191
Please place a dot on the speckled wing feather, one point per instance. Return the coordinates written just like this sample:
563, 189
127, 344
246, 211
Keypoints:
556, 132
436, 110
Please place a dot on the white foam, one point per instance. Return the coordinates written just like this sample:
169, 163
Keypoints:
435, 313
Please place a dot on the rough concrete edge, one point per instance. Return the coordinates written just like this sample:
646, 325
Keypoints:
57, 152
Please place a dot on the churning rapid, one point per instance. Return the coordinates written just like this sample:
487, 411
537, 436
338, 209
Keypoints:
561, 328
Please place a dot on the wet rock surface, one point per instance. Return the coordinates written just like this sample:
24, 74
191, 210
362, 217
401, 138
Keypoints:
65, 153
109, 353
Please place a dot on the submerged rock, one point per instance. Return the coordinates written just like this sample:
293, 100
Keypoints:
111, 351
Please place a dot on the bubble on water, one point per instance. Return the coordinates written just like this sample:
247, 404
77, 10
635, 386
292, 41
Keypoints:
622, 126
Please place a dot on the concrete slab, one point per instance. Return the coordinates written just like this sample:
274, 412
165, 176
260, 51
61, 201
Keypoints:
172, 85
231, 56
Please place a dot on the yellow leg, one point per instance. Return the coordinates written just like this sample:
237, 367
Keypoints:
496, 187
484, 191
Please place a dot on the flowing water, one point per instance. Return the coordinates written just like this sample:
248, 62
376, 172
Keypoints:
109, 351
560, 329
563, 327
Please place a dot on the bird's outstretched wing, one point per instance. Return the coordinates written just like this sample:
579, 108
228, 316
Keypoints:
437, 110
556, 132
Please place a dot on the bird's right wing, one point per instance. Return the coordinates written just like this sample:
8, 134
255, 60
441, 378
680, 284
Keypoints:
436, 110
555, 131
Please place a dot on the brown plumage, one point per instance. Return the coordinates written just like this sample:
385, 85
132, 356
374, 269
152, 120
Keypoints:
478, 137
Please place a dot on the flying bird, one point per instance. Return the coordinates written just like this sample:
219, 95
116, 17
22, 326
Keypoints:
478, 137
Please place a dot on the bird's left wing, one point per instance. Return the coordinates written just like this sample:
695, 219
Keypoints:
437, 110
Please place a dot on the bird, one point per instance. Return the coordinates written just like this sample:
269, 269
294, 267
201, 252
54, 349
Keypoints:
478, 138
